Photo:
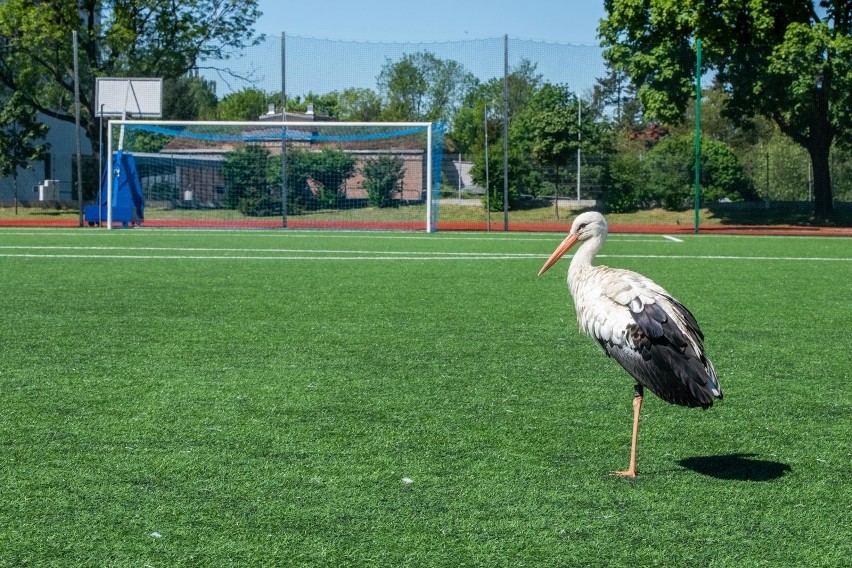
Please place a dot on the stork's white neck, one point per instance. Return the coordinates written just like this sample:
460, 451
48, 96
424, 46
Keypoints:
584, 257
587, 252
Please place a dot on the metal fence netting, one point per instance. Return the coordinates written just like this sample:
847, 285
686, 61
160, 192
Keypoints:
569, 131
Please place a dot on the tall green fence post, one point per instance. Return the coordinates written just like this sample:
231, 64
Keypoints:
506, 132
697, 204
284, 130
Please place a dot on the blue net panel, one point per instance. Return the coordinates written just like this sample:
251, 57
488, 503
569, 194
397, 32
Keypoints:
277, 133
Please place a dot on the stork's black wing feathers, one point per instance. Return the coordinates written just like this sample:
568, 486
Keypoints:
649, 318
687, 316
659, 356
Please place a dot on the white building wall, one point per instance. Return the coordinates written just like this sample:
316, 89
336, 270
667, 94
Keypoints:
58, 167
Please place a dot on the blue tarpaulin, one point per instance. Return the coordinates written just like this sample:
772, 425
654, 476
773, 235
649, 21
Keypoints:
128, 204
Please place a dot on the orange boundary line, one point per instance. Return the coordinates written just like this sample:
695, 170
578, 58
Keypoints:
296, 223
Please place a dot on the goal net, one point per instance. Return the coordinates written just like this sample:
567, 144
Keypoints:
278, 174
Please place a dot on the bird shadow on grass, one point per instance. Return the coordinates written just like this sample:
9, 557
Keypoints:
740, 467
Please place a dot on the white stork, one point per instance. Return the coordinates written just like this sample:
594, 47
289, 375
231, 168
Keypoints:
637, 323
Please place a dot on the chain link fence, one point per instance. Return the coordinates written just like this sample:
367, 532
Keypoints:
570, 133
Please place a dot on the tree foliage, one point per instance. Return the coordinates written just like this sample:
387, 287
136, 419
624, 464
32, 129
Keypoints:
551, 129
522, 178
316, 180
247, 104
117, 38
628, 184
252, 181
615, 91
359, 105
423, 87
382, 178
299, 194
788, 61
665, 176
671, 174
21, 136
189, 98
544, 133
330, 169
327, 104
548, 125
467, 134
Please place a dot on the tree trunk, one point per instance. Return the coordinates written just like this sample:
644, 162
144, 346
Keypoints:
819, 146
817, 142
823, 201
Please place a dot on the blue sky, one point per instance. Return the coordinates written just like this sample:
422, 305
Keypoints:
364, 35
565, 21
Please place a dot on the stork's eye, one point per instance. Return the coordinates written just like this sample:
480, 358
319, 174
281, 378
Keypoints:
583, 226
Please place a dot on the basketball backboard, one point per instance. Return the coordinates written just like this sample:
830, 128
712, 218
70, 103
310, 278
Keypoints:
129, 97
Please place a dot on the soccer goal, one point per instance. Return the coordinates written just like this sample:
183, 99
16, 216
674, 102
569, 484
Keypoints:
264, 174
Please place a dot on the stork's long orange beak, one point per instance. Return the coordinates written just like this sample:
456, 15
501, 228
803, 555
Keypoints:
569, 242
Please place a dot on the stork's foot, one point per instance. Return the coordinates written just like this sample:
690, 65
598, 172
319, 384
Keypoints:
630, 473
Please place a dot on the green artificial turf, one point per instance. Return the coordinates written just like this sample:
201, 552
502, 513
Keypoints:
404, 399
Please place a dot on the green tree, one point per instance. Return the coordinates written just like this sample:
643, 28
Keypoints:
252, 181
117, 38
189, 98
382, 178
317, 179
467, 135
549, 129
522, 178
779, 168
246, 104
627, 183
616, 91
788, 61
423, 87
359, 105
716, 125
349, 105
327, 104
21, 138
299, 194
669, 173
330, 169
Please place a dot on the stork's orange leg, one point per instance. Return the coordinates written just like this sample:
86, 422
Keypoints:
637, 406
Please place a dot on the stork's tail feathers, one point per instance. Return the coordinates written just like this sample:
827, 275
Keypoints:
713, 381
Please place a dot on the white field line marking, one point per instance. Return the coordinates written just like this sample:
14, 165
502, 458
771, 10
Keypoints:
290, 257
383, 255
724, 257
298, 234
263, 251
673, 239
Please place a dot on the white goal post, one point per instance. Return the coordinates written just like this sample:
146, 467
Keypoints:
203, 171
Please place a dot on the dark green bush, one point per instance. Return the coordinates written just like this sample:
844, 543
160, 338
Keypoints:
671, 170
627, 183
253, 181
382, 178
330, 169
523, 179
